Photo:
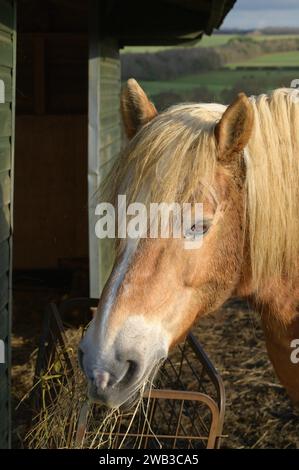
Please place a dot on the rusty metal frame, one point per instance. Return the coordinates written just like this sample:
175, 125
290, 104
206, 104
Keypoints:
53, 334
192, 396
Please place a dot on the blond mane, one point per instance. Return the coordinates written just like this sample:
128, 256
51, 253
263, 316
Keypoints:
169, 156
272, 161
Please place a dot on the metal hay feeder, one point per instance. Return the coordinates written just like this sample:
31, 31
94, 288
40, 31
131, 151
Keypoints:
184, 410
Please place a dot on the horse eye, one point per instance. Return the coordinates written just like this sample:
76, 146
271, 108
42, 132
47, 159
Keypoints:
197, 229
201, 228
205, 228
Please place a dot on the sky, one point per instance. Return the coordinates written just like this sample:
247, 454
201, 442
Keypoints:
248, 14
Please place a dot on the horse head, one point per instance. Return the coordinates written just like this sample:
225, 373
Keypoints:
158, 288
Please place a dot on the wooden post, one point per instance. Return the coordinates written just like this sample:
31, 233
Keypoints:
104, 137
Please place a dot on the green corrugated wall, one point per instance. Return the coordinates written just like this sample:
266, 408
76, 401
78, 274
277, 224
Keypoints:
7, 73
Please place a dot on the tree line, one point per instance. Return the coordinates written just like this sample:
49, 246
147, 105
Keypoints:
175, 63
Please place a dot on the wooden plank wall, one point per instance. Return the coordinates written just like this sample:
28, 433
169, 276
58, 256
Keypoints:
7, 69
51, 220
51, 214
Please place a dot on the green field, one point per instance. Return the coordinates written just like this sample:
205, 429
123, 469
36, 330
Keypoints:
208, 41
220, 39
281, 59
223, 84
218, 80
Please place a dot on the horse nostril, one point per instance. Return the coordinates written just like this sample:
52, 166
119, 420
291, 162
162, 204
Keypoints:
124, 375
102, 379
80, 358
132, 371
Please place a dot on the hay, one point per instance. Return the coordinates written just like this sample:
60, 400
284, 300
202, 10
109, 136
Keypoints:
66, 419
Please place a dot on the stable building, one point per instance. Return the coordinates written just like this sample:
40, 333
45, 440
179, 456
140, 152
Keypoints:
60, 81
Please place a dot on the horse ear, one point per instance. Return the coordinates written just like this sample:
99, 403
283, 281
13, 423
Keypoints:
136, 109
233, 131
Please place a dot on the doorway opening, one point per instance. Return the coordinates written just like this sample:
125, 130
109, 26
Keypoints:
50, 261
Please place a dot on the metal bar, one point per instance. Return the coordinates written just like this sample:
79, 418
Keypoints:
178, 423
160, 436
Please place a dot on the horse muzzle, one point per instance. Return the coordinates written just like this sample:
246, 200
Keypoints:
118, 366
115, 382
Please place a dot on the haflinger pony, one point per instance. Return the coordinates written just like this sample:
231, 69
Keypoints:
247, 156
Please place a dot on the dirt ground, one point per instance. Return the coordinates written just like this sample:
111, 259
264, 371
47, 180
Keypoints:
258, 411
